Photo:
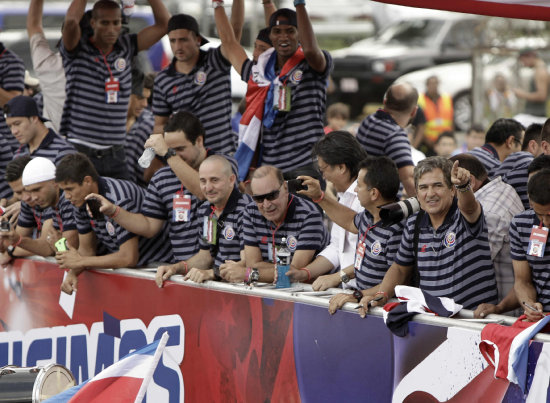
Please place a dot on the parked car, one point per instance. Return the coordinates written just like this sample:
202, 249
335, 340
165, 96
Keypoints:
363, 72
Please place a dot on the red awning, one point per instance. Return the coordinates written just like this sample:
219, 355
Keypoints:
524, 9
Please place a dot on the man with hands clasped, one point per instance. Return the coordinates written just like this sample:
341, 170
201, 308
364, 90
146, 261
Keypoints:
377, 185
220, 229
452, 253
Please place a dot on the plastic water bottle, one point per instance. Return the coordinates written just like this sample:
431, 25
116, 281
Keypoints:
146, 158
283, 265
128, 7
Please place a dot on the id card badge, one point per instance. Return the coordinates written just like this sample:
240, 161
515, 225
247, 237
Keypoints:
359, 254
181, 205
270, 252
281, 98
537, 241
112, 89
210, 229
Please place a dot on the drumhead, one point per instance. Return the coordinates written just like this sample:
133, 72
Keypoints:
51, 380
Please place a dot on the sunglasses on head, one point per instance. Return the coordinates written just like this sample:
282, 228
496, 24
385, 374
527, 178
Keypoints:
268, 196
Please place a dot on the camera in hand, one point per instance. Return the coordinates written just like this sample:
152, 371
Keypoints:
94, 205
395, 212
5, 226
294, 185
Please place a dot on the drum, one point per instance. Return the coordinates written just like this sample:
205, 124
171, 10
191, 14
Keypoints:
33, 384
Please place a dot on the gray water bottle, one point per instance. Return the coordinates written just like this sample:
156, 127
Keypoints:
146, 158
283, 265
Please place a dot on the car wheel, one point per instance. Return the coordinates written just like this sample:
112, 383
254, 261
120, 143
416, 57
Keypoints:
462, 104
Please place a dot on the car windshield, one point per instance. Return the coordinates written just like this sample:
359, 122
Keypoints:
419, 32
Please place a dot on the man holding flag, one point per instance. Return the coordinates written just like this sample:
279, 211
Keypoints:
285, 101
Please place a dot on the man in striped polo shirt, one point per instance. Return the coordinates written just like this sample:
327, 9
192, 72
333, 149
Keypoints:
452, 254
102, 241
277, 214
529, 240
377, 243
38, 180
197, 81
286, 91
220, 232
98, 69
28, 128
382, 133
504, 137
514, 168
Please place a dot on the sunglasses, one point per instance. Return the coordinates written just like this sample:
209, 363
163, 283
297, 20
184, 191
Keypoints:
268, 196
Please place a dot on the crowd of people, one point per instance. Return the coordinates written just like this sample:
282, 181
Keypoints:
216, 205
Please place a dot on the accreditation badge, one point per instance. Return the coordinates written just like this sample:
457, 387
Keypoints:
181, 206
537, 241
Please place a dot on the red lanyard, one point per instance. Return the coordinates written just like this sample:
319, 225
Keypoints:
278, 226
59, 220
362, 240
37, 219
105, 61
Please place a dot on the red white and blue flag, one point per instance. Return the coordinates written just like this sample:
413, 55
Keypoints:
414, 301
524, 9
506, 349
124, 381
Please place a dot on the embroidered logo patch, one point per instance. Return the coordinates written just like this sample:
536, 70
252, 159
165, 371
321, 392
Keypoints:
228, 233
376, 248
296, 76
200, 78
291, 242
450, 239
120, 64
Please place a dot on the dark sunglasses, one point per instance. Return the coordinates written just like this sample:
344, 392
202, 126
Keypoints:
268, 196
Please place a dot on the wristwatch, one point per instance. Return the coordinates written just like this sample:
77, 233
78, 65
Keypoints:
254, 276
358, 295
169, 153
344, 277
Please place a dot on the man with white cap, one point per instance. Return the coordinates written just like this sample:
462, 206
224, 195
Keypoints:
57, 213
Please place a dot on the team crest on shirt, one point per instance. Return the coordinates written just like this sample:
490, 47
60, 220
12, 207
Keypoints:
291, 242
228, 233
120, 64
110, 228
296, 76
200, 78
376, 248
450, 239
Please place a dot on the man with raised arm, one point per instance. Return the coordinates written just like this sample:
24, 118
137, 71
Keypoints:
286, 94
220, 230
452, 252
98, 69
377, 243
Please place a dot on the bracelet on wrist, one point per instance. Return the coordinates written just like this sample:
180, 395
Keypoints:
385, 294
247, 275
320, 199
16, 244
308, 273
115, 213
463, 186
185, 267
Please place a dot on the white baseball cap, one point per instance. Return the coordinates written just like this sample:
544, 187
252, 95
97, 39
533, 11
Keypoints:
39, 169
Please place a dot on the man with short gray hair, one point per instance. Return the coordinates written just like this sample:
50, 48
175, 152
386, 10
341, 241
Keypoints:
452, 251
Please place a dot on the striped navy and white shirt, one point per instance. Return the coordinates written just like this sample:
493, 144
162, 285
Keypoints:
454, 260
12, 78
205, 91
86, 115
31, 217
514, 172
111, 235
63, 215
287, 144
53, 147
230, 240
520, 231
381, 245
158, 203
380, 135
303, 229
488, 156
6, 155
135, 139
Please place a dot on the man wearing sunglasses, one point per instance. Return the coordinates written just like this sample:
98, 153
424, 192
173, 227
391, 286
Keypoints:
275, 215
